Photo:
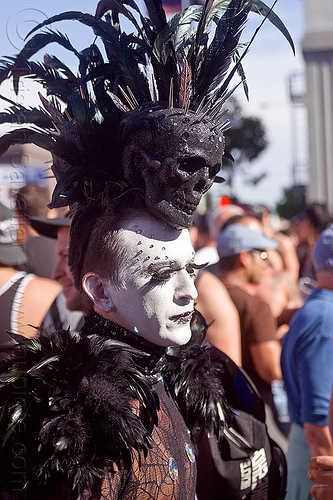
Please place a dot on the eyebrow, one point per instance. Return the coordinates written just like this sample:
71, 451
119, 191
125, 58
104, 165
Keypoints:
156, 266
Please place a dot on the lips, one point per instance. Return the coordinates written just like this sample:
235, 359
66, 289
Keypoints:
182, 318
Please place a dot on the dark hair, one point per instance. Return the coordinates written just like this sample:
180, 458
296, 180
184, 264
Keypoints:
32, 200
228, 263
95, 239
235, 219
200, 221
318, 215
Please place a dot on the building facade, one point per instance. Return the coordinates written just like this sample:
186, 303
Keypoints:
317, 46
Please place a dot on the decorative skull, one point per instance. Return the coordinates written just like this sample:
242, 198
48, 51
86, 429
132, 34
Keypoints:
174, 157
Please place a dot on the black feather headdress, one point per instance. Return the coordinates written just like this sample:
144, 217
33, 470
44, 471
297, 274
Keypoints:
124, 80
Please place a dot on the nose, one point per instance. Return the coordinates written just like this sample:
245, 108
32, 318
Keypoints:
59, 270
185, 288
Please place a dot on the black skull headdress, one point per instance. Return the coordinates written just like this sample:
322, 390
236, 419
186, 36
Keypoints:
146, 116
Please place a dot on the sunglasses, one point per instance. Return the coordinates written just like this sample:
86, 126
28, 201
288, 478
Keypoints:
262, 255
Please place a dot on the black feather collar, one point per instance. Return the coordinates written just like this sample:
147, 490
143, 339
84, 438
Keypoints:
95, 324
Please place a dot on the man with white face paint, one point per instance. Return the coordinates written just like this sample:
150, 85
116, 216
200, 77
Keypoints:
158, 283
117, 410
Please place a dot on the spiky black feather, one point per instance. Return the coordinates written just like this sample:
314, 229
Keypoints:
21, 115
204, 394
196, 392
261, 8
150, 57
219, 55
156, 14
24, 136
75, 386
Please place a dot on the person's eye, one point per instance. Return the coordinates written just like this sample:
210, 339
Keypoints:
190, 270
162, 275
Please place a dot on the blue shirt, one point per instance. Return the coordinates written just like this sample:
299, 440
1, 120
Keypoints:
307, 359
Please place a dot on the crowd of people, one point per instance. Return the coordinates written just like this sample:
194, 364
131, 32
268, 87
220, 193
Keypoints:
251, 291
148, 351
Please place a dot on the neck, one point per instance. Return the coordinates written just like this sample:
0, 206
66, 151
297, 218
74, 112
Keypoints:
230, 278
95, 324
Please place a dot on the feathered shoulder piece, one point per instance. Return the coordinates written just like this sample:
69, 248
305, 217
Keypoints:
205, 382
144, 111
72, 406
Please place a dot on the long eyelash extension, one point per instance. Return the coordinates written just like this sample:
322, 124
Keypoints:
190, 271
191, 267
199, 266
158, 272
162, 277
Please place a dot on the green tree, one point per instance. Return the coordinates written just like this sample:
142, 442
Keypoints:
293, 202
245, 141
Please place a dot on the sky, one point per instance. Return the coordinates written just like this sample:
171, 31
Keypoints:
268, 67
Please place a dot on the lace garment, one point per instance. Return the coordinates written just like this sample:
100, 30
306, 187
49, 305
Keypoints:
167, 472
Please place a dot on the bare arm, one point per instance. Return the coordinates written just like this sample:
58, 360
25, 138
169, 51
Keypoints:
266, 359
37, 299
319, 439
288, 252
216, 306
330, 414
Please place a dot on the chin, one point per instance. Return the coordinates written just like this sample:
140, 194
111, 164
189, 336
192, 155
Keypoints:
179, 337
75, 304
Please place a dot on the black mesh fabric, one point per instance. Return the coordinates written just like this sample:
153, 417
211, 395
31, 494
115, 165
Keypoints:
152, 480
150, 477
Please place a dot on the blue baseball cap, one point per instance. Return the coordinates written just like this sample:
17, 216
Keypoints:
238, 238
323, 252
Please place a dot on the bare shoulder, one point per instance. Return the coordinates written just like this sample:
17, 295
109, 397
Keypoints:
42, 286
37, 298
210, 283
216, 306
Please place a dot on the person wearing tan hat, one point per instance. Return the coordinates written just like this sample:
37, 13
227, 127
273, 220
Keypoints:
68, 307
25, 298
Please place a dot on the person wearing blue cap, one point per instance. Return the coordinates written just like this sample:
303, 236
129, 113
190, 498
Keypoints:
307, 368
243, 257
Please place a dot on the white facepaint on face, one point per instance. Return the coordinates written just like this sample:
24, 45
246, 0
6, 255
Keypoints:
157, 296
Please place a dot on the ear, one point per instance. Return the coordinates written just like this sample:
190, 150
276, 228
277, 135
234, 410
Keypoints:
98, 291
244, 258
